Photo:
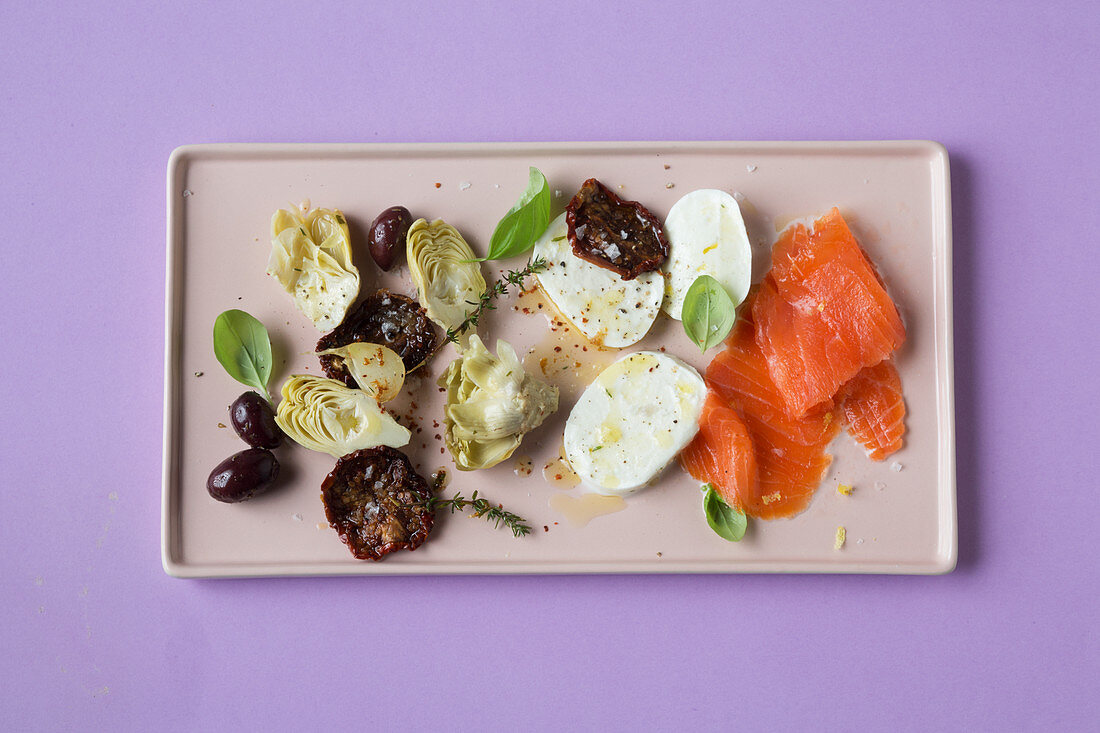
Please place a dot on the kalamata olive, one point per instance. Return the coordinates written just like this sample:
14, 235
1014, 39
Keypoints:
387, 235
254, 421
243, 475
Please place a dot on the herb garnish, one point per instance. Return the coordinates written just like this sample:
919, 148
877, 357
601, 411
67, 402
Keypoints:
483, 508
500, 287
708, 313
525, 222
727, 522
242, 346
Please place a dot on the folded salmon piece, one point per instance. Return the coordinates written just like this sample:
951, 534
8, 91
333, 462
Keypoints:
874, 409
789, 453
721, 453
822, 314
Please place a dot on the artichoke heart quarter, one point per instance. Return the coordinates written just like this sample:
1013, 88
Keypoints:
323, 415
311, 259
448, 283
491, 404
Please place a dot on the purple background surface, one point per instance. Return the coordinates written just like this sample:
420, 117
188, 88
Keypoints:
94, 100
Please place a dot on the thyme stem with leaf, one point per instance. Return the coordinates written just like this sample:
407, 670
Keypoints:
483, 508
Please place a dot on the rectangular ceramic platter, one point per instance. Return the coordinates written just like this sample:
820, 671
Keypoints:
220, 201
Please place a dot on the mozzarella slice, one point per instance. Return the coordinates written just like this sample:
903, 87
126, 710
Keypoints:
632, 420
601, 305
706, 236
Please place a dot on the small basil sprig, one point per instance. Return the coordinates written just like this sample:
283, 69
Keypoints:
525, 222
243, 347
727, 522
708, 313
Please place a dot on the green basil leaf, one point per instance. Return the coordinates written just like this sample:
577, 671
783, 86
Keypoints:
708, 313
727, 522
243, 347
525, 222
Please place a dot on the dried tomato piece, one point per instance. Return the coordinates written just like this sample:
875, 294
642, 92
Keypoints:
622, 236
396, 321
376, 502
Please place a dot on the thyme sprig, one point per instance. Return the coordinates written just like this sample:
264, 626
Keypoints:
500, 287
485, 509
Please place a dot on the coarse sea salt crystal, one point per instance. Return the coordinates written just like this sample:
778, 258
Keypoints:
750, 168
880, 485
464, 185
896, 467
296, 517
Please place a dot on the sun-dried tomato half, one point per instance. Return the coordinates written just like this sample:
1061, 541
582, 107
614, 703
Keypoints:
377, 503
396, 321
622, 236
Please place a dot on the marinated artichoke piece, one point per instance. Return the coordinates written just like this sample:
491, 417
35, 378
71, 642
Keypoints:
491, 404
324, 415
311, 259
448, 284
377, 370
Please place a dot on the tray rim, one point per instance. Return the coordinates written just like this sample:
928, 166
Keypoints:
946, 557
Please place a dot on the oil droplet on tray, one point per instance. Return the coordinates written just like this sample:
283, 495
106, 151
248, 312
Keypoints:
559, 473
564, 357
580, 510
524, 466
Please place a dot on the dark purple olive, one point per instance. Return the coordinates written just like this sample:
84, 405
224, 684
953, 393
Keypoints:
254, 421
387, 235
243, 475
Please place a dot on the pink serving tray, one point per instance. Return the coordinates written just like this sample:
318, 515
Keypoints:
901, 517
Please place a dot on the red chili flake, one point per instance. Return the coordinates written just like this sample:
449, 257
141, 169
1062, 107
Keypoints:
545, 528
439, 185
557, 348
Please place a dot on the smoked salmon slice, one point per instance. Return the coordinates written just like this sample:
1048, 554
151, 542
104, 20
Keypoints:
721, 452
789, 452
874, 409
822, 314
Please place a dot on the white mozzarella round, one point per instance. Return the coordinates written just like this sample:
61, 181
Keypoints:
706, 236
601, 305
632, 420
